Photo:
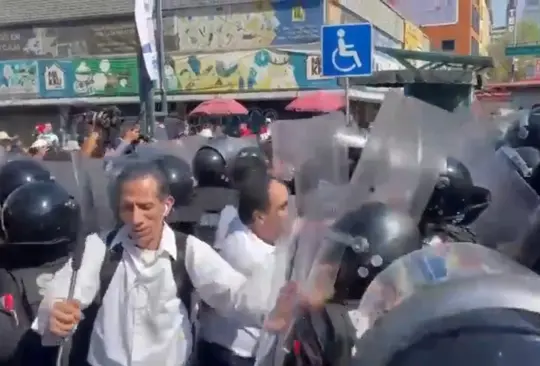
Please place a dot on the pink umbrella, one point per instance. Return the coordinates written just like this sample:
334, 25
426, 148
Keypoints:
319, 102
219, 107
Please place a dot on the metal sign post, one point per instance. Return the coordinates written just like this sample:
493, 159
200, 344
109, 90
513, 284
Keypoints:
347, 103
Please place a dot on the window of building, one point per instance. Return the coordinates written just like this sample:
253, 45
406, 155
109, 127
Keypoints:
475, 21
475, 49
448, 45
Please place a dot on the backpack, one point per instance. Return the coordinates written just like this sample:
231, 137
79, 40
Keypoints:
79, 345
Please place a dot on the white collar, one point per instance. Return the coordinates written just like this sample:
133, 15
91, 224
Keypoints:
166, 245
258, 240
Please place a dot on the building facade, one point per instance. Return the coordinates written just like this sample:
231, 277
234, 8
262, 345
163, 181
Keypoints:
266, 52
463, 36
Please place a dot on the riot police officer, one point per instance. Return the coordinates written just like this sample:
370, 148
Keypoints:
367, 240
178, 174
461, 304
40, 221
218, 167
456, 202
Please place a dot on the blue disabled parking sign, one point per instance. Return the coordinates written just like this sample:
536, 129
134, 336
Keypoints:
347, 50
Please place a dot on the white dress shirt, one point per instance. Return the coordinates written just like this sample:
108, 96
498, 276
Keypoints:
141, 321
225, 217
244, 251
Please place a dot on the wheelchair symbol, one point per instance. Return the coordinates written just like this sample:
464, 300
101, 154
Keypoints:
344, 50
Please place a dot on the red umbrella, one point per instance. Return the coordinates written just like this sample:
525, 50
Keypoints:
320, 101
219, 107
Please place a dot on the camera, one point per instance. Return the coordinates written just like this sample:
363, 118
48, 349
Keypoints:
107, 118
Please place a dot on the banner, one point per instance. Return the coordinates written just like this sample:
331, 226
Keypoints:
144, 20
428, 12
18, 80
413, 37
106, 76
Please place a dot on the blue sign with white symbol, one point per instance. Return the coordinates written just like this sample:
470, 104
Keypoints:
347, 49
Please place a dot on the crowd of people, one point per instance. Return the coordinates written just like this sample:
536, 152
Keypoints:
223, 260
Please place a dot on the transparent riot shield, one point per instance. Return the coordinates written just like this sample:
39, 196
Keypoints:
98, 178
425, 270
514, 203
74, 177
400, 164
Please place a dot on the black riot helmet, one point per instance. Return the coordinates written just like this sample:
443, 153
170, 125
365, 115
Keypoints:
374, 236
40, 213
249, 159
18, 172
490, 337
455, 199
178, 174
210, 168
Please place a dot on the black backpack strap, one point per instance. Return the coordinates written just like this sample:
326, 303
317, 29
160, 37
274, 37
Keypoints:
181, 277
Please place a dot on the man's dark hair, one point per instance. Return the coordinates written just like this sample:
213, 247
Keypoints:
138, 170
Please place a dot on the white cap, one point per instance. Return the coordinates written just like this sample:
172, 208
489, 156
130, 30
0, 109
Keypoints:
40, 143
4, 136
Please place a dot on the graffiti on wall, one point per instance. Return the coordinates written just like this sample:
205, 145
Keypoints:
69, 41
241, 71
248, 26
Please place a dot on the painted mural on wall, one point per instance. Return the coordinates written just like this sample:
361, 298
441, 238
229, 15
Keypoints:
241, 71
248, 26
105, 76
19, 79
233, 72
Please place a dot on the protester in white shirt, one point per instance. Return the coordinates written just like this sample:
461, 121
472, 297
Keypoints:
140, 320
242, 169
248, 242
